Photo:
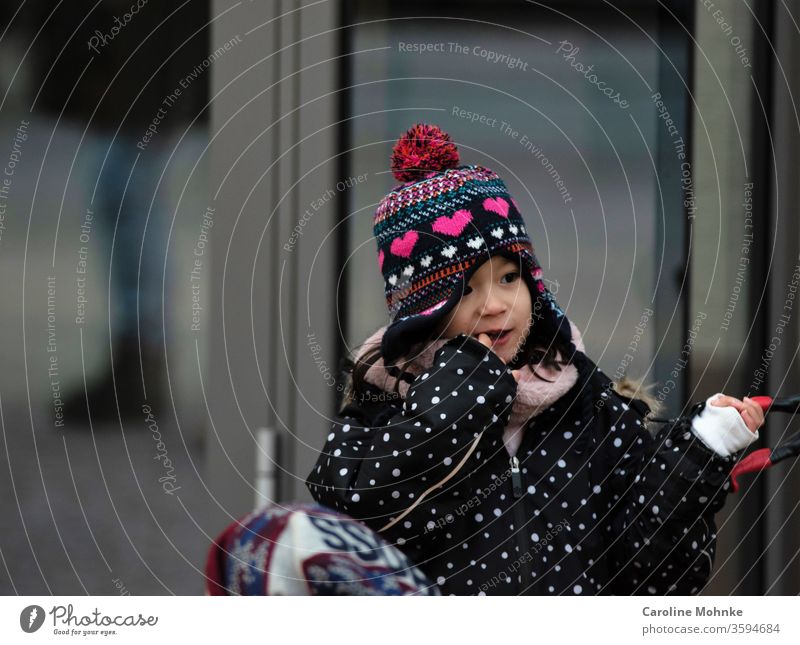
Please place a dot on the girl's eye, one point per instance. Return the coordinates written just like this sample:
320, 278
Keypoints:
515, 275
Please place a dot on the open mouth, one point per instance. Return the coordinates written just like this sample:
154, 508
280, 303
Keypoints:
499, 336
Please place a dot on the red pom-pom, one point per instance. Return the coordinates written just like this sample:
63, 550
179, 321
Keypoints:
423, 149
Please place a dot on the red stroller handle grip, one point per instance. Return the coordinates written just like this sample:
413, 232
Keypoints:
763, 401
766, 458
789, 404
754, 462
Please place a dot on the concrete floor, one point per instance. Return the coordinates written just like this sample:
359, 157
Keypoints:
84, 511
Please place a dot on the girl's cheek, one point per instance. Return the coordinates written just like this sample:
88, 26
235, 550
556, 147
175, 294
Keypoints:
460, 323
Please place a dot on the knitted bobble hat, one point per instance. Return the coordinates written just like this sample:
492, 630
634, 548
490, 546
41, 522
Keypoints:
434, 230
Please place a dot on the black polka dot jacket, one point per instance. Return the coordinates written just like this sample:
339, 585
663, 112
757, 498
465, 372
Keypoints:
592, 503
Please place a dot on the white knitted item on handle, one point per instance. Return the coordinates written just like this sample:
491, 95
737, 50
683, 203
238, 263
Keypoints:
722, 428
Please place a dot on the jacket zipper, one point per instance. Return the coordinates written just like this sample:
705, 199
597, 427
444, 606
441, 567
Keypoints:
516, 478
519, 521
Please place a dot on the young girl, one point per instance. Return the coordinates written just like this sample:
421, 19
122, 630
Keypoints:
478, 437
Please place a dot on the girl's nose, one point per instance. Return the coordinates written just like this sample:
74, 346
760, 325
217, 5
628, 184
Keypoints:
493, 305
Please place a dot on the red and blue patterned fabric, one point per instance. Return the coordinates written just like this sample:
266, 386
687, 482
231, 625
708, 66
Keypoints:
308, 550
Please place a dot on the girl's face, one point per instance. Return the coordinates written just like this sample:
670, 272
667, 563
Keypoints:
496, 300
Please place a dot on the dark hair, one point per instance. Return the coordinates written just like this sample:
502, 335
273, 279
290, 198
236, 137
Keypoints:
542, 346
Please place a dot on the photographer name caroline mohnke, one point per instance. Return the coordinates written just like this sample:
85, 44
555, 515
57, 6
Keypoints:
697, 611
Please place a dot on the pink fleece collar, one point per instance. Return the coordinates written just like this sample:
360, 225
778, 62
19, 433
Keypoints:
533, 394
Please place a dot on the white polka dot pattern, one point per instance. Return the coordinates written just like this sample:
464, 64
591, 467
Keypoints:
594, 504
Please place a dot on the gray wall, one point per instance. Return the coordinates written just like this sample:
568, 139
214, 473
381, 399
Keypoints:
273, 148
725, 159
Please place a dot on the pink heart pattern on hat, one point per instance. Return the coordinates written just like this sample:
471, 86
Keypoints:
380, 259
403, 246
496, 205
454, 224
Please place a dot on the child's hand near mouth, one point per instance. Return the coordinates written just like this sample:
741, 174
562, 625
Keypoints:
484, 339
